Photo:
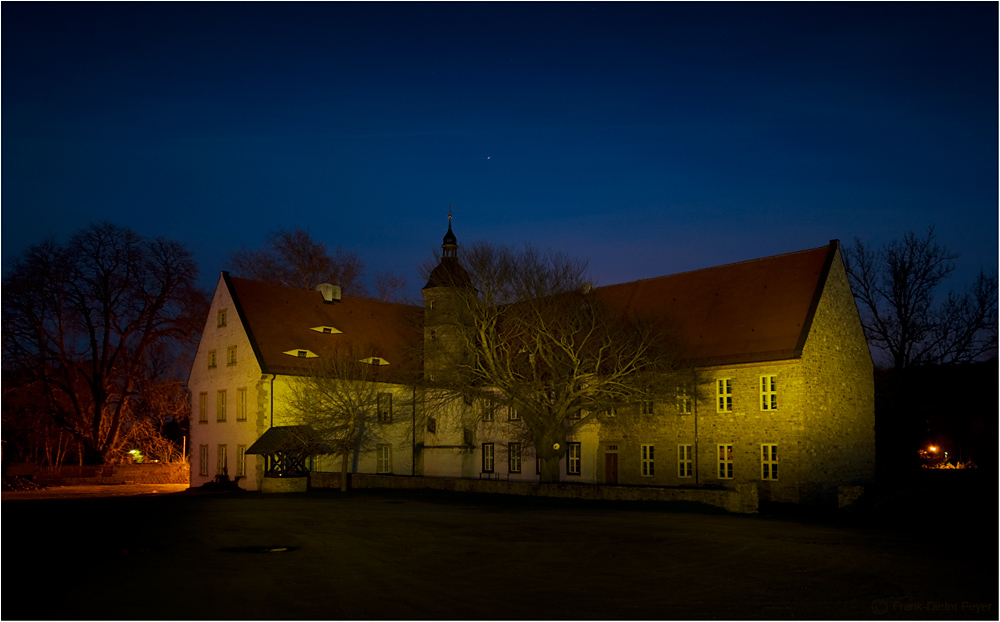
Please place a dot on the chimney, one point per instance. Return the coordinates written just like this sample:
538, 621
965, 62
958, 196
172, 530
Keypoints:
331, 293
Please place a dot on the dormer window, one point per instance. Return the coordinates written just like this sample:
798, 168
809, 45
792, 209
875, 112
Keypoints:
375, 360
326, 330
301, 353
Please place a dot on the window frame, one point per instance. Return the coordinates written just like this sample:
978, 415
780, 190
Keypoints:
574, 463
647, 460
211, 359
203, 407
222, 460
724, 399
772, 403
769, 462
220, 319
685, 458
220, 406
241, 404
488, 458
230, 356
383, 459
512, 414
241, 461
683, 400
724, 455
203, 460
514, 457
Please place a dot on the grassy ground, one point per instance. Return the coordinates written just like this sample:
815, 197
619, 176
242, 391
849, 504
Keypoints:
413, 555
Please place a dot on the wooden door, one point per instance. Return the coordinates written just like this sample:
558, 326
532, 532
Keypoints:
610, 468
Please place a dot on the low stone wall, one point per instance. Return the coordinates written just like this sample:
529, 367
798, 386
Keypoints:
146, 473
742, 500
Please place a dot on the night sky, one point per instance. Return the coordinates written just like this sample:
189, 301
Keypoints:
650, 138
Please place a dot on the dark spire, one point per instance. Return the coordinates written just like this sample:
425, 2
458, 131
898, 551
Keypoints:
449, 247
449, 273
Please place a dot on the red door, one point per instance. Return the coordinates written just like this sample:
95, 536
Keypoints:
610, 468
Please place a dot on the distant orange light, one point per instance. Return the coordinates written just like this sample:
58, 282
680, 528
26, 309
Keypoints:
933, 448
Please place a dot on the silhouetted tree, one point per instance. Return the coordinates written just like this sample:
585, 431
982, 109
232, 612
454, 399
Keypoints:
531, 335
81, 321
389, 286
895, 287
294, 259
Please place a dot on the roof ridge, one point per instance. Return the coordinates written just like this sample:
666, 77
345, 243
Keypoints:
313, 291
725, 265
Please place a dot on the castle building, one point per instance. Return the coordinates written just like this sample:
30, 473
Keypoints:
783, 397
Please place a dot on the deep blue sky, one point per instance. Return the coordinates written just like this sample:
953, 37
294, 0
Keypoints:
649, 138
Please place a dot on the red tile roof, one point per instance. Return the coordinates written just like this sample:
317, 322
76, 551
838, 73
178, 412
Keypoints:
755, 310
278, 319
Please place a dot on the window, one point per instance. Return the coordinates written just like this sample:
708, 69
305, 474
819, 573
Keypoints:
221, 318
489, 407
514, 457
211, 359
231, 355
685, 461
222, 466
203, 460
384, 458
769, 462
432, 425
241, 460
487, 457
241, 404
203, 409
647, 460
573, 459
769, 393
724, 393
220, 405
326, 330
512, 414
725, 462
300, 353
646, 407
384, 407
683, 401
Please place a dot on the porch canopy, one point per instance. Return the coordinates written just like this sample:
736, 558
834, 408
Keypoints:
286, 448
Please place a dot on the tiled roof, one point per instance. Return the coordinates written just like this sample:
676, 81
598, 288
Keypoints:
279, 319
754, 310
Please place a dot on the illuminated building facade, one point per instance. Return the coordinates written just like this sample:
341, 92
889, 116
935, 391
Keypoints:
782, 393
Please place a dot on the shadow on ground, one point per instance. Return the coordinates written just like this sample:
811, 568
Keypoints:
438, 555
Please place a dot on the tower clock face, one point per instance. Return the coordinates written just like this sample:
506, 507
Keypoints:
555, 446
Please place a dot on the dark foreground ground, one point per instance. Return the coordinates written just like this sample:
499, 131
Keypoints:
391, 555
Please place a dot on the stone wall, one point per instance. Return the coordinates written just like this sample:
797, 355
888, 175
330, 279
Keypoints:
741, 500
149, 473
838, 445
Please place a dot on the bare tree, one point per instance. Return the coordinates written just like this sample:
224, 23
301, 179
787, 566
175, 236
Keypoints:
294, 259
81, 321
895, 287
531, 335
389, 286
348, 404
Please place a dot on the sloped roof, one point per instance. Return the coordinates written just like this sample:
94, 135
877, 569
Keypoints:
286, 439
279, 319
755, 310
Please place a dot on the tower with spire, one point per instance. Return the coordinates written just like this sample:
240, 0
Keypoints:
444, 307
